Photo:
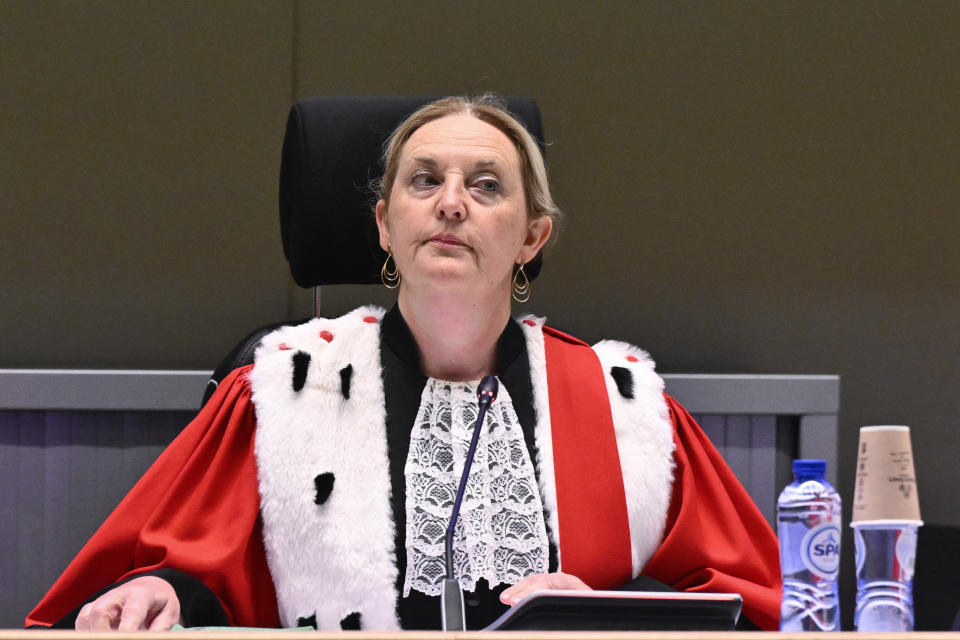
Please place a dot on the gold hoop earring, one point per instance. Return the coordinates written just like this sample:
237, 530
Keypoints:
521, 284
390, 277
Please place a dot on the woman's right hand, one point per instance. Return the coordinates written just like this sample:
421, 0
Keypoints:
147, 603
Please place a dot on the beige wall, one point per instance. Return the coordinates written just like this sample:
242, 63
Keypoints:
751, 186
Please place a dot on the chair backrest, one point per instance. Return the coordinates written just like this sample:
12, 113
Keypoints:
332, 151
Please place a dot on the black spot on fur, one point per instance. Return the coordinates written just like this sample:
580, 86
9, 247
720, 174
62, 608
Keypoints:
301, 361
624, 379
345, 374
324, 484
308, 622
351, 622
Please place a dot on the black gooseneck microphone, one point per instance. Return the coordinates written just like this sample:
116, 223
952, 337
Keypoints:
452, 614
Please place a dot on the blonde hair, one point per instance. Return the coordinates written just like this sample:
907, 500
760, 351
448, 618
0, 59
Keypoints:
486, 108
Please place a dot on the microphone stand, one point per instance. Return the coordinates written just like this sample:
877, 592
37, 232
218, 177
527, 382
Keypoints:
452, 614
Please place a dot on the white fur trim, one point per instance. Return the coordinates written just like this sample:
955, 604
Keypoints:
336, 558
644, 434
645, 442
542, 433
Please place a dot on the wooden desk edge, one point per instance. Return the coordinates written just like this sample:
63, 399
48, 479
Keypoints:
18, 634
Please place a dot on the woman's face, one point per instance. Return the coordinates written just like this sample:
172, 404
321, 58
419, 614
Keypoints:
457, 215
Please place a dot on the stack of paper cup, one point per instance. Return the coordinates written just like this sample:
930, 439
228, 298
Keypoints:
886, 514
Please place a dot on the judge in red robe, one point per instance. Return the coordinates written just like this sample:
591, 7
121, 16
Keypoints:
195, 517
285, 501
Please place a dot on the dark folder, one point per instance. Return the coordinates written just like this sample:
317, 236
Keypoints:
621, 611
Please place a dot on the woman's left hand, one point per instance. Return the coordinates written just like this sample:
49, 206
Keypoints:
539, 582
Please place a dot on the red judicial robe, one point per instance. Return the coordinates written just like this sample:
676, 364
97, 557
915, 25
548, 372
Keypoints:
197, 510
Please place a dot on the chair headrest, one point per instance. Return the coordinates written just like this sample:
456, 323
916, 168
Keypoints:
331, 151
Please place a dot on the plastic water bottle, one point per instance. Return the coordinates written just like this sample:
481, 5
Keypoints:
808, 525
885, 554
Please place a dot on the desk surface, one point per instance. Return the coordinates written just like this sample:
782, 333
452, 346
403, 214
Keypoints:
475, 635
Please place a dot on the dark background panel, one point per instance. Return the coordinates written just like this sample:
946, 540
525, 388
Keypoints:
138, 159
750, 187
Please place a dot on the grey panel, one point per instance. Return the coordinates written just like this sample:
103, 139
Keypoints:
29, 543
763, 485
748, 444
152, 389
61, 474
715, 428
9, 510
55, 522
737, 449
759, 449
787, 417
818, 439
101, 389
764, 394
787, 449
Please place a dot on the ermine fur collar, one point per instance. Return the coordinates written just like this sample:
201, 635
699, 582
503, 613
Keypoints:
323, 468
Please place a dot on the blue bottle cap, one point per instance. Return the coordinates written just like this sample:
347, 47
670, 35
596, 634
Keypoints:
806, 468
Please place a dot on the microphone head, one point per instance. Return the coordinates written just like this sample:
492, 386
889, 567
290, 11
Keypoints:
487, 391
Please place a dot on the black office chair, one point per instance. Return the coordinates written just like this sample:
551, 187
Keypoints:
331, 151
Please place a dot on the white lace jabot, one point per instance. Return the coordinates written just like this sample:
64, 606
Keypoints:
500, 535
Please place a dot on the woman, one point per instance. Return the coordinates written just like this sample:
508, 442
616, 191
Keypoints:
314, 488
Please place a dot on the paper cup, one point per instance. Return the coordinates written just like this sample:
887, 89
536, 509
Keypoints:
886, 485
